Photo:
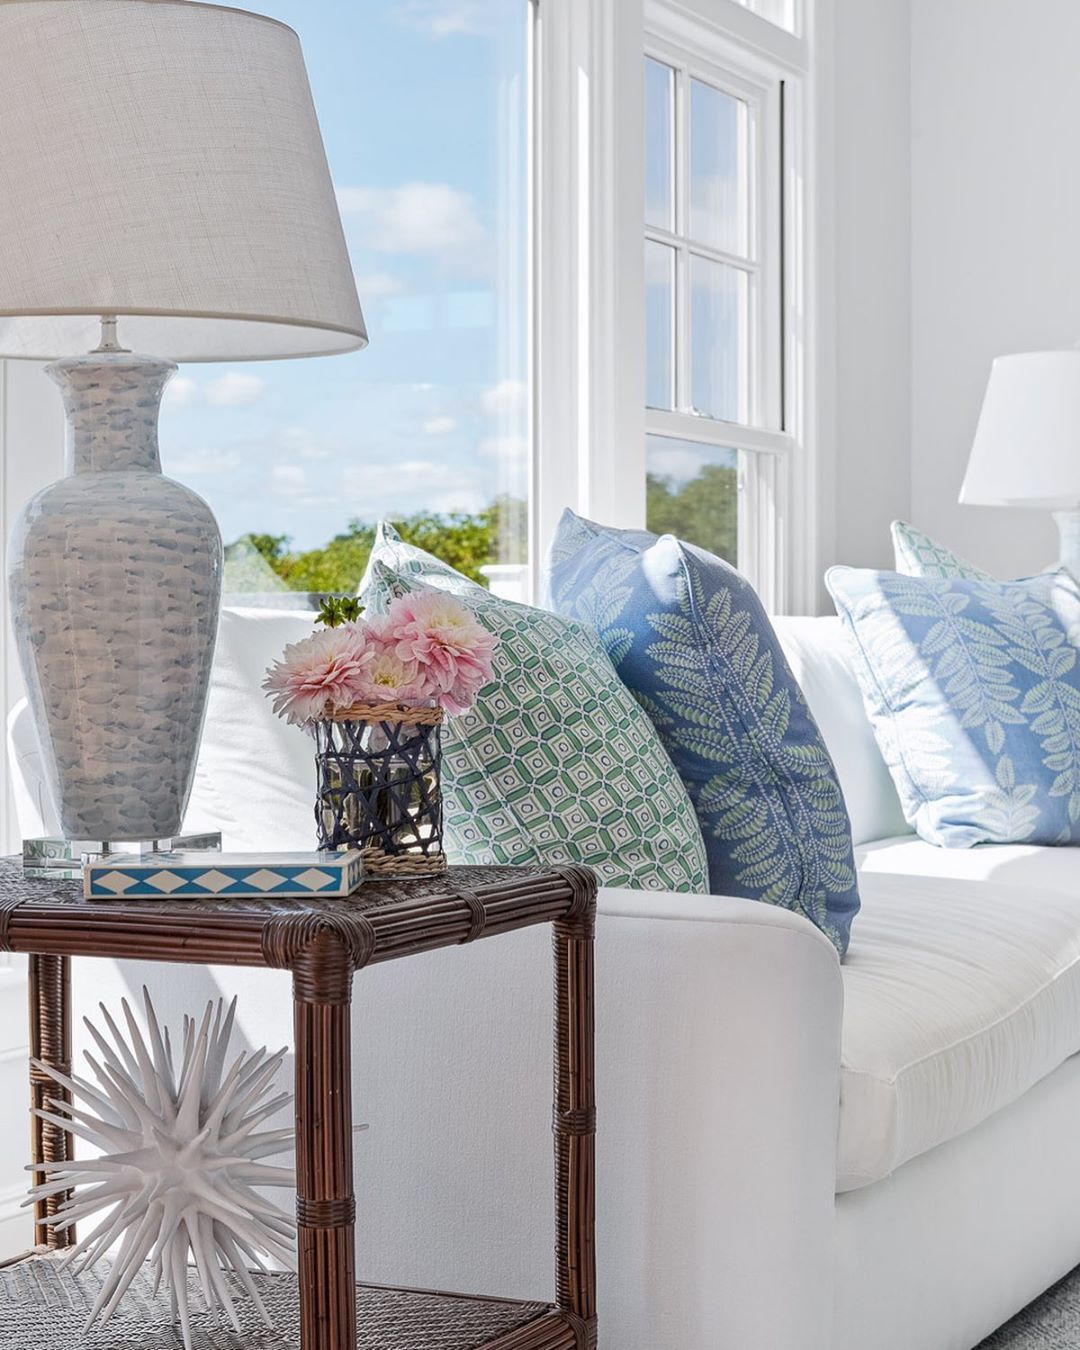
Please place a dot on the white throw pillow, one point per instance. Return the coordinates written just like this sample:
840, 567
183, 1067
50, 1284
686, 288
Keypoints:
817, 652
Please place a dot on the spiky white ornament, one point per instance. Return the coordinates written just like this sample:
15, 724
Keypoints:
179, 1165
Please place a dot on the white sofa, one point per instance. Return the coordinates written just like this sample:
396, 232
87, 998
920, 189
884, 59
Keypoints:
793, 1154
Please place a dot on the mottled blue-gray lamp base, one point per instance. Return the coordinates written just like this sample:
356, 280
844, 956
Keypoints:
64, 858
115, 584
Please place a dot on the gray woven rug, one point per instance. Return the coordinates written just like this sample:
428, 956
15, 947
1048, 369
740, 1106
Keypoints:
1052, 1322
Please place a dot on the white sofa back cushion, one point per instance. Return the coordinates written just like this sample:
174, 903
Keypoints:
816, 651
255, 779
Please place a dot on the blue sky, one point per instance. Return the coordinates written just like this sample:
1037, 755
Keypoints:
421, 104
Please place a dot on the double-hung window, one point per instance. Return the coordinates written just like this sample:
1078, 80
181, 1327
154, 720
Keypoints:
719, 301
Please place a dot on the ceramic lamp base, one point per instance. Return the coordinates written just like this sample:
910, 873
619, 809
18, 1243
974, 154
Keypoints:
115, 581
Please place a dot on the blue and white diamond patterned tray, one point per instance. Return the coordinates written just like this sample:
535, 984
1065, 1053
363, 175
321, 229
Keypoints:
198, 875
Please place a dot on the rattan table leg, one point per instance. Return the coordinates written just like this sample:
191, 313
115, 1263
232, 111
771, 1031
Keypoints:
325, 1205
575, 1127
50, 1042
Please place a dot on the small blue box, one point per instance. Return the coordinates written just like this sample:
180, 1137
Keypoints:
202, 875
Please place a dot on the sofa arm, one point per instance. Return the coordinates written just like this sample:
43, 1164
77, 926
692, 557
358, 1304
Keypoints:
718, 1089
718, 1030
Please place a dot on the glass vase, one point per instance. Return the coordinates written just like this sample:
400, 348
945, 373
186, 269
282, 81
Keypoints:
379, 788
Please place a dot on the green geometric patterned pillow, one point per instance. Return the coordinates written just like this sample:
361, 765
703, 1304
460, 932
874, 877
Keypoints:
917, 555
555, 763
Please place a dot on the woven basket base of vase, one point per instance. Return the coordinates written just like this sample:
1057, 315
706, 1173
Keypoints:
378, 864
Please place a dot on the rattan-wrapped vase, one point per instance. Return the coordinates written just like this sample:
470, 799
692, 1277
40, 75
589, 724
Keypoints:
379, 787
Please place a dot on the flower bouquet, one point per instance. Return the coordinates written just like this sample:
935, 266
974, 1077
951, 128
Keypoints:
373, 692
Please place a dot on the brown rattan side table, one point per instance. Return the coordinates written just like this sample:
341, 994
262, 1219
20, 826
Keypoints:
322, 943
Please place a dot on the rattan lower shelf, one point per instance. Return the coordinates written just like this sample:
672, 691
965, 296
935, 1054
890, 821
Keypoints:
42, 1307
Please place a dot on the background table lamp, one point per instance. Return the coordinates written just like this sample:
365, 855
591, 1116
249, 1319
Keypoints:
163, 185
1026, 450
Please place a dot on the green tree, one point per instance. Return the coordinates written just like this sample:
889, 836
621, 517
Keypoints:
466, 541
272, 547
703, 511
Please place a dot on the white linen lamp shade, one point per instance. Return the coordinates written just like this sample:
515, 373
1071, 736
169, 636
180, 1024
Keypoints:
161, 160
162, 180
1026, 450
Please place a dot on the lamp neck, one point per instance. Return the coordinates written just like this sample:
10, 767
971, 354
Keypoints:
112, 401
109, 340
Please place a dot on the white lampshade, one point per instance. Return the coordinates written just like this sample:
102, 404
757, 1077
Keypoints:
161, 160
1026, 450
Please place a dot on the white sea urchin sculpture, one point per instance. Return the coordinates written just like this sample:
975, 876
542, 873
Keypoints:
180, 1162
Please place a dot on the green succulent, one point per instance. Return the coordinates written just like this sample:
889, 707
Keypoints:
336, 610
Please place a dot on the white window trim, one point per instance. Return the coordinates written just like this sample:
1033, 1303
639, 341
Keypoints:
589, 368
589, 283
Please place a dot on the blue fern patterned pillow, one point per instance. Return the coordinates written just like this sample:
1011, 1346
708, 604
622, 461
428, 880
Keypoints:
689, 637
973, 689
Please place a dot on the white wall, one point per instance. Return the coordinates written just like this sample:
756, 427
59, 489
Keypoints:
867, 164
995, 105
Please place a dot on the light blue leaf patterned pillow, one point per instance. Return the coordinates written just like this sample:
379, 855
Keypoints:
690, 639
973, 689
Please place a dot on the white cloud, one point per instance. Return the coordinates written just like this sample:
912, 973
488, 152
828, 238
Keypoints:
413, 218
509, 449
235, 389
505, 400
179, 393
377, 285
305, 443
444, 18
439, 426
288, 480
195, 463
414, 485
675, 462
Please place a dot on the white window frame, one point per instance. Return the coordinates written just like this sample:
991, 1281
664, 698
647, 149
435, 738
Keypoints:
589, 281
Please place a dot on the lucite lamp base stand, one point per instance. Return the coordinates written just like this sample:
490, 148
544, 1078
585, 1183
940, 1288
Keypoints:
57, 858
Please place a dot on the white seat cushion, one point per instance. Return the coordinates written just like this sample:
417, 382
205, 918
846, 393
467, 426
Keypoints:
959, 995
1033, 866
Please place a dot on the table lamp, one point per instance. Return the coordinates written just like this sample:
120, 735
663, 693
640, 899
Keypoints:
164, 197
1026, 450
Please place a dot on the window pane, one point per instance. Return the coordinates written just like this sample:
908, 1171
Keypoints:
719, 340
781, 12
424, 114
659, 325
693, 492
659, 144
719, 187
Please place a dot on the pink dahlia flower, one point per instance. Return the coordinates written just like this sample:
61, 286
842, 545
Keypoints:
389, 679
321, 674
451, 649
